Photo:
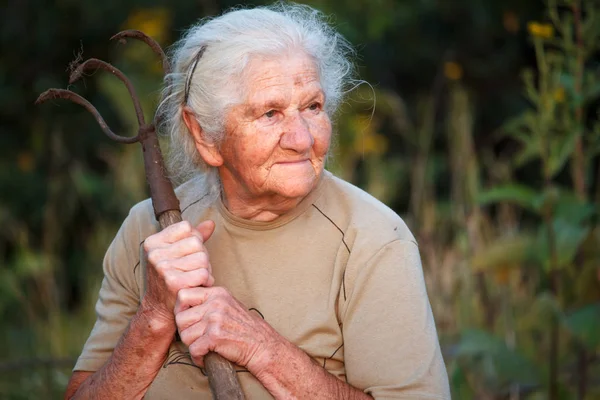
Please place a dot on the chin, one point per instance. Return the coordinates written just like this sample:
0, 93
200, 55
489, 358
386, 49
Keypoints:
297, 188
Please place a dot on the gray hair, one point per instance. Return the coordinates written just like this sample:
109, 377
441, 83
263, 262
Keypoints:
228, 43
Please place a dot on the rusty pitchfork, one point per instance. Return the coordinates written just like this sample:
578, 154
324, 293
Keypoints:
221, 375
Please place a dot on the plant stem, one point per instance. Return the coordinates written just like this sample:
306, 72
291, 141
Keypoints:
581, 373
578, 166
554, 289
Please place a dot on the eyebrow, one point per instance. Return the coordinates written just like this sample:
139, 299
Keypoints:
317, 94
256, 108
280, 102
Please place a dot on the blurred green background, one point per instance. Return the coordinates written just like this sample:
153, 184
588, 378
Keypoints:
485, 138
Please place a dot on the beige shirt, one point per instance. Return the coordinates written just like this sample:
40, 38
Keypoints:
339, 276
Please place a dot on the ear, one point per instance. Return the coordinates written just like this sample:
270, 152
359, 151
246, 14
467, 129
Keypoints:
208, 151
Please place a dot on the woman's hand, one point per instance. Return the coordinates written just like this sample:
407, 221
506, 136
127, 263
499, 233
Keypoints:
177, 259
211, 319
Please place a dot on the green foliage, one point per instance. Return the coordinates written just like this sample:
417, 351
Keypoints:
494, 360
584, 324
520, 195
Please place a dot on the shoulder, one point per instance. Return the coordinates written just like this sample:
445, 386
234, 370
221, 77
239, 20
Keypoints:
362, 218
141, 217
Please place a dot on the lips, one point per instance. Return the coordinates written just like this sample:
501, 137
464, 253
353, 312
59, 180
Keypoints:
291, 162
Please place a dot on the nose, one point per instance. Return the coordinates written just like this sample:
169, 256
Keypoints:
296, 135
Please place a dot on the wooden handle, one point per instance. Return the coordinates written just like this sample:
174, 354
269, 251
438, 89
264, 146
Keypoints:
222, 377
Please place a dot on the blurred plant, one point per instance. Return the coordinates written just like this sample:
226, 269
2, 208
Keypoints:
562, 252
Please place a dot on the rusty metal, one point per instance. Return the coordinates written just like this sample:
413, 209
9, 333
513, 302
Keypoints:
52, 94
94, 64
221, 374
138, 35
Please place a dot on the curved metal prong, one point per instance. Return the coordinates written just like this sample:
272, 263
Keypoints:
138, 35
94, 64
52, 94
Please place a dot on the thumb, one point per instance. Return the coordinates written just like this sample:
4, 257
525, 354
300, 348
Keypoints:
206, 229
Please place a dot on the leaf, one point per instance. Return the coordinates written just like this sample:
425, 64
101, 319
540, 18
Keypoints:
521, 195
497, 360
504, 252
570, 208
584, 324
568, 238
571, 226
585, 282
561, 150
592, 92
530, 151
459, 383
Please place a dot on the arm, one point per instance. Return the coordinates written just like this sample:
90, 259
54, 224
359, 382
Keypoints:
176, 259
210, 319
133, 365
291, 374
391, 348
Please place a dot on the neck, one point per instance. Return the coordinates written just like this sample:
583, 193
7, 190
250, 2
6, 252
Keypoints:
264, 209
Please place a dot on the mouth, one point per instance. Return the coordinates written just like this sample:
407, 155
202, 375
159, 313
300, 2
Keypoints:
292, 162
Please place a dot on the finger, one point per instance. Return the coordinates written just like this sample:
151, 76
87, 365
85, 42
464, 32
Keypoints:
177, 280
193, 332
191, 262
189, 245
186, 321
198, 350
190, 297
206, 335
206, 229
170, 234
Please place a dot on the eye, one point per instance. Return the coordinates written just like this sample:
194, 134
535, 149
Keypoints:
314, 107
270, 114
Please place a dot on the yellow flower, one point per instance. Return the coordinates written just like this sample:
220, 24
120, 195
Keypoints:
453, 70
367, 140
153, 22
544, 31
559, 95
511, 21
25, 162
503, 274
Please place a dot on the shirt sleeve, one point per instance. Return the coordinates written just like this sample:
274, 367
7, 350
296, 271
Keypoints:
391, 348
118, 299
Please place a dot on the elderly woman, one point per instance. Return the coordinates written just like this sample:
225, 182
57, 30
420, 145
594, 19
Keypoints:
312, 287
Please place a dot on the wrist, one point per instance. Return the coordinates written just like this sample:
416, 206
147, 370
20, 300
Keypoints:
155, 320
268, 363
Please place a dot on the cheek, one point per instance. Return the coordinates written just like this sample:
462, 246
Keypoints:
254, 149
322, 135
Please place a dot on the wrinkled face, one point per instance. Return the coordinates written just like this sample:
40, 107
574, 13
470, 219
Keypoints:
276, 141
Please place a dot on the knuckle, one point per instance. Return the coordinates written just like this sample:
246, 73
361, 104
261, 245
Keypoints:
171, 281
153, 257
185, 226
216, 332
161, 265
179, 320
197, 243
148, 244
202, 259
203, 272
184, 335
220, 291
182, 297
215, 319
195, 350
